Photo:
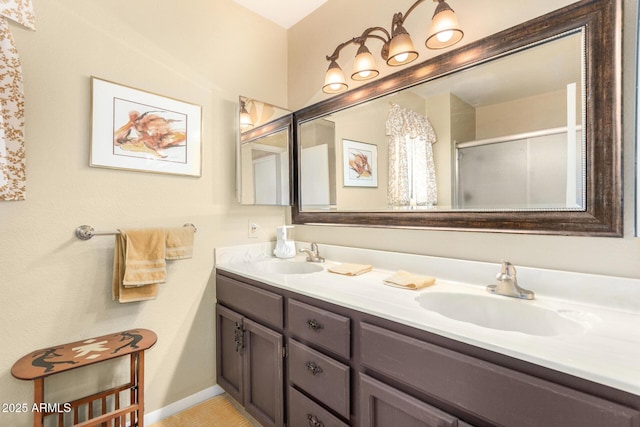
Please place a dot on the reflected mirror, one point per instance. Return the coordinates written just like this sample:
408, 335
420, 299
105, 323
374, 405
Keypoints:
517, 132
263, 161
505, 134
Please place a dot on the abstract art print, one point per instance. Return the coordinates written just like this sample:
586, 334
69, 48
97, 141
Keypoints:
360, 164
138, 130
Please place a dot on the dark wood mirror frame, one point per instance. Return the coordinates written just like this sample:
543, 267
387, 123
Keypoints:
602, 23
284, 123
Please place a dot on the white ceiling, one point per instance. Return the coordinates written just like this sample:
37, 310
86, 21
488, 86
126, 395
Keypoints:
285, 13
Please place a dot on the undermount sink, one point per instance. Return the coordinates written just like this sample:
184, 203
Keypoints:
503, 313
290, 267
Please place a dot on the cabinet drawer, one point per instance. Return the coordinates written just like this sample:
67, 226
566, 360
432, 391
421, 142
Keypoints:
322, 377
305, 412
320, 327
501, 395
256, 303
382, 405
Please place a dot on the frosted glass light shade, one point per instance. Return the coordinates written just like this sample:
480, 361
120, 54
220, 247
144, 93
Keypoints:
401, 50
334, 81
364, 66
245, 119
445, 30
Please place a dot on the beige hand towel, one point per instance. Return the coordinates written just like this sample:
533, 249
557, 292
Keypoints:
406, 280
118, 291
179, 242
351, 269
144, 256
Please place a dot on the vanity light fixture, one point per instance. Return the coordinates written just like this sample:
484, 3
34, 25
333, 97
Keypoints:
397, 48
445, 30
401, 49
246, 122
364, 66
334, 81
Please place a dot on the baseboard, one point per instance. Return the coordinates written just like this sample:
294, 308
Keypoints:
182, 404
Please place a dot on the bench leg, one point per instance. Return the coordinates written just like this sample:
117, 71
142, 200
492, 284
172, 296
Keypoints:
137, 392
38, 398
141, 389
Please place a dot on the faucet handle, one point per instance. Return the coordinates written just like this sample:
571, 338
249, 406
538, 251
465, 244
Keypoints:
313, 254
507, 271
508, 283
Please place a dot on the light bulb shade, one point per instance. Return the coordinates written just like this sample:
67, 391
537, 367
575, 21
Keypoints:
334, 81
401, 49
364, 66
445, 30
245, 118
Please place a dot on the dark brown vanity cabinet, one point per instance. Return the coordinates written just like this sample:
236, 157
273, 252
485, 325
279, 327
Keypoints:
249, 359
345, 367
318, 363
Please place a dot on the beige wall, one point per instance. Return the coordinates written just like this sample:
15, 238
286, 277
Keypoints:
311, 40
538, 112
55, 288
438, 110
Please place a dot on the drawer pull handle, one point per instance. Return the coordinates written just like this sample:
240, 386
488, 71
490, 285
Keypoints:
314, 421
238, 337
314, 325
313, 368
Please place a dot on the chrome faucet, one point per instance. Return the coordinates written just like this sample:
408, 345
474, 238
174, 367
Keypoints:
507, 284
312, 254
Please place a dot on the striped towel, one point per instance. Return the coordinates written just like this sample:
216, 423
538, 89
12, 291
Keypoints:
179, 242
124, 265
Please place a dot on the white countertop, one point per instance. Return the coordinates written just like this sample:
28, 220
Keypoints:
607, 352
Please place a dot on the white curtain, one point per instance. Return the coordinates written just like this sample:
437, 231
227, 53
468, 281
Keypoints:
12, 155
412, 174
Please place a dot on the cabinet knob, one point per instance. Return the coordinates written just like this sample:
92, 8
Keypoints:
313, 368
314, 325
314, 421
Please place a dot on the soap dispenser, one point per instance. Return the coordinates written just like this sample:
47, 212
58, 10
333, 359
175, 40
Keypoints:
285, 248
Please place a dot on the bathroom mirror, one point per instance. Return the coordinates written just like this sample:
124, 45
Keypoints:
263, 155
517, 132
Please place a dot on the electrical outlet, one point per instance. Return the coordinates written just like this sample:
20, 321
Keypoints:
252, 230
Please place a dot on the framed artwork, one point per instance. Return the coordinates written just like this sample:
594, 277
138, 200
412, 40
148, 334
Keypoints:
360, 164
136, 130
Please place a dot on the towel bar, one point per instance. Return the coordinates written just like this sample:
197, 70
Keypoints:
85, 232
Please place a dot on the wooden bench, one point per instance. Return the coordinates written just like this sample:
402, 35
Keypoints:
99, 409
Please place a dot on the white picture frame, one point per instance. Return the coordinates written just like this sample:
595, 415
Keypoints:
359, 164
136, 130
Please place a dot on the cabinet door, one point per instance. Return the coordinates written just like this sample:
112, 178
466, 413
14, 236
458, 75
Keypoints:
263, 374
383, 406
498, 394
229, 351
